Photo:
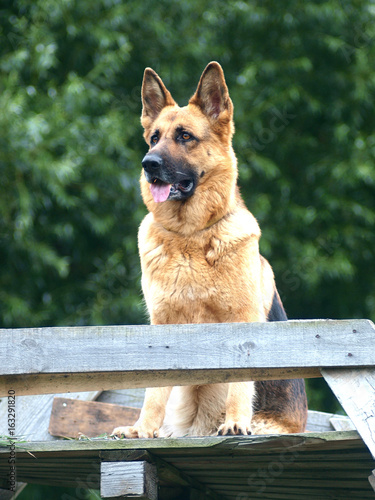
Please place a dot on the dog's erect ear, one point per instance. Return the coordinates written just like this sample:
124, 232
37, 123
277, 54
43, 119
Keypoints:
212, 94
155, 96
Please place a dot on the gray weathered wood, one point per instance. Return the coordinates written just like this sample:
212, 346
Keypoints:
12, 495
140, 356
32, 419
33, 414
321, 421
342, 423
372, 479
128, 480
125, 397
311, 465
355, 390
279, 440
167, 473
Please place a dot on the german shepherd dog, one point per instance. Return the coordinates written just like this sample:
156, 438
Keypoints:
201, 263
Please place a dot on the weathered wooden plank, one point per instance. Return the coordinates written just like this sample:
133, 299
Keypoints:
372, 479
321, 421
70, 417
255, 458
125, 397
342, 423
178, 354
32, 417
128, 480
33, 414
355, 390
167, 473
277, 443
40, 383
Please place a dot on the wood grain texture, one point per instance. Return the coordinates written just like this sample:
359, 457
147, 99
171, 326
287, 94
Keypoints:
70, 417
128, 479
76, 358
167, 474
32, 417
311, 465
321, 421
372, 479
125, 397
225, 443
355, 390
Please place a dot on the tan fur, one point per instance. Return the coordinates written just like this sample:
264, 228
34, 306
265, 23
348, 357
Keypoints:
200, 256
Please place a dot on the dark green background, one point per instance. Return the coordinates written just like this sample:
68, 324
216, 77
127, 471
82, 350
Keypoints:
301, 76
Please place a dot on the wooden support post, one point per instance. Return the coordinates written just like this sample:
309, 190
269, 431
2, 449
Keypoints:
128, 480
167, 473
355, 390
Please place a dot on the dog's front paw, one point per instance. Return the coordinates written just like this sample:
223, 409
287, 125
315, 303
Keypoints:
136, 431
234, 428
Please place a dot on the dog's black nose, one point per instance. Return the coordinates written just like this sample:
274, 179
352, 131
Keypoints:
152, 162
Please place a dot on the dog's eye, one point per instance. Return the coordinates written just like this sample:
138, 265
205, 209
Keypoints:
154, 139
185, 136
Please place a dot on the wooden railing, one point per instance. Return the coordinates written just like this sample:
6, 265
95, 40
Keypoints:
39, 361
52, 360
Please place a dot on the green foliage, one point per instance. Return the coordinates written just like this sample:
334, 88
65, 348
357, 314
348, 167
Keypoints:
301, 78
38, 492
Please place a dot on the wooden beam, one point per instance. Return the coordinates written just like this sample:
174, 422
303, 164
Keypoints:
128, 480
167, 473
355, 390
40, 383
45, 360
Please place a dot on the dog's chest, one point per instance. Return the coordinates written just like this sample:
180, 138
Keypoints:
177, 272
194, 281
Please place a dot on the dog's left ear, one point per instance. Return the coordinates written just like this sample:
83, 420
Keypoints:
212, 94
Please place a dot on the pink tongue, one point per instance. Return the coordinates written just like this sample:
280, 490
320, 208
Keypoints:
160, 191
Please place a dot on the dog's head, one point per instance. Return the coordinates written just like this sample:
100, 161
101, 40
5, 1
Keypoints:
189, 145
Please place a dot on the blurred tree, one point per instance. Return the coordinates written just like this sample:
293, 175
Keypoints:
301, 78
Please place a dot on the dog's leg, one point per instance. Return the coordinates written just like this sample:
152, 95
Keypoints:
239, 409
151, 417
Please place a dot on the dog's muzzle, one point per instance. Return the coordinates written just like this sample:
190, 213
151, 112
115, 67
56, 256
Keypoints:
168, 182
152, 163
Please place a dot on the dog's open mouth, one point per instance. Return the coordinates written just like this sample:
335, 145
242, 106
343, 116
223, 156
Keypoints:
161, 191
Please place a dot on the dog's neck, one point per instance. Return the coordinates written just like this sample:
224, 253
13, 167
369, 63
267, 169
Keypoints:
204, 209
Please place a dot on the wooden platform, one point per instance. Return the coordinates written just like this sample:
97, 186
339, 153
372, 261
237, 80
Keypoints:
325, 465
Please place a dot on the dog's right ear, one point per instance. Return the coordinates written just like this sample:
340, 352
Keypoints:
155, 97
